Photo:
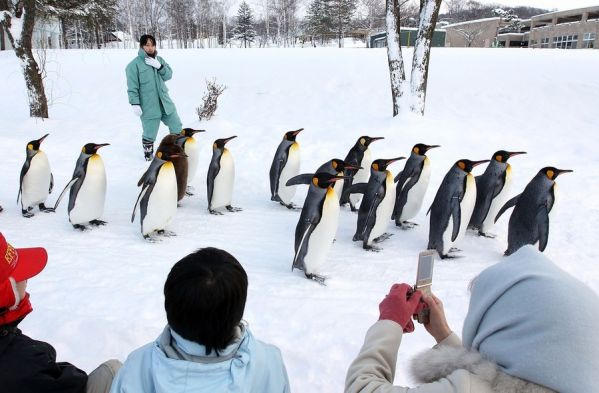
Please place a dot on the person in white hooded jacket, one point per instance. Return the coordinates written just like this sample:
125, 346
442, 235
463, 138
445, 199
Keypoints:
530, 327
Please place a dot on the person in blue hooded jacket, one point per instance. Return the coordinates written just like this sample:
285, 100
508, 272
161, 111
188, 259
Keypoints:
205, 347
148, 94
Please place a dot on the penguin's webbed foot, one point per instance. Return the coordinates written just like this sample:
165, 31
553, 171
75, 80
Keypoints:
216, 213
27, 213
97, 223
353, 208
233, 209
371, 248
80, 227
45, 209
318, 278
383, 237
487, 235
454, 249
405, 225
447, 256
151, 239
165, 233
189, 191
290, 206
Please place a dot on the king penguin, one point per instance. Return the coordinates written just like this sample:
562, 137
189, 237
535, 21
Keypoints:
169, 145
452, 207
377, 206
158, 197
221, 176
192, 151
492, 189
36, 180
285, 165
317, 226
334, 167
360, 156
412, 184
88, 188
529, 222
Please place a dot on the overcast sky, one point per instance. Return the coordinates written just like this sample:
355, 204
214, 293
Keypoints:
549, 4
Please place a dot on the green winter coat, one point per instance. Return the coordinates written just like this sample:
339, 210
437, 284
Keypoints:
146, 87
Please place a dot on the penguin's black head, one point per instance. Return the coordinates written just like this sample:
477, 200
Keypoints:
421, 148
467, 165
220, 143
290, 135
503, 156
34, 145
325, 180
552, 173
382, 163
92, 148
367, 140
340, 165
189, 132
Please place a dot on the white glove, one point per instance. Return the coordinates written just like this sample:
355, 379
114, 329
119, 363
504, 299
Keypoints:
153, 62
137, 110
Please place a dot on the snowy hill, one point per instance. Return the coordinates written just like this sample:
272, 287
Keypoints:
101, 297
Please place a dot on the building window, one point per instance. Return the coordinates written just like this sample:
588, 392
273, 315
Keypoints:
532, 43
565, 41
545, 42
588, 40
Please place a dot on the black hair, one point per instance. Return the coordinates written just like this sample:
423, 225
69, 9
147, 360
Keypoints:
145, 38
204, 297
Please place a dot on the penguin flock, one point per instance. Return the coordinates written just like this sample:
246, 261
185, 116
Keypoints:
368, 186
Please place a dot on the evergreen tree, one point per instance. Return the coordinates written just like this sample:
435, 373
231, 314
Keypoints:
341, 14
318, 18
244, 29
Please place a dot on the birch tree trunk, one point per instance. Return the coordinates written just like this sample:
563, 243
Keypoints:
17, 20
394, 56
429, 11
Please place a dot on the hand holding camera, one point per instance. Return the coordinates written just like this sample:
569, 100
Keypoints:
399, 306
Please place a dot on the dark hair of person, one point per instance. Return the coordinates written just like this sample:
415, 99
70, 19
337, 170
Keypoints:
145, 38
204, 297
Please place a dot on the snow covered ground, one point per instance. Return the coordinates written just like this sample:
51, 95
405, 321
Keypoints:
101, 297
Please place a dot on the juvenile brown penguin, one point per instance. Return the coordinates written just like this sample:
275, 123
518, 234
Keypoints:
169, 145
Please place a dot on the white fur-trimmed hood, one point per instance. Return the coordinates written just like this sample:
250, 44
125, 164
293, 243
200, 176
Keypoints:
441, 361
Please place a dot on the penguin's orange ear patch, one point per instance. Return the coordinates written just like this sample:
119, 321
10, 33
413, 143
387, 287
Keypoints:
159, 154
416, 150
30, 146
335, 165
499, 158
375, 166
214, 145
315, 181
550, 174
83, 149
362, 141
462, 165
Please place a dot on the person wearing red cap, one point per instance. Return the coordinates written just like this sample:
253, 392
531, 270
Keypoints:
27, 365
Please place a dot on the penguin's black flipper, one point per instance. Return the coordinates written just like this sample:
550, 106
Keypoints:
141, 194
397, 177
24, 170
358, 188
456, 217
298, 259
73, 180
402, 197
543, 223
511, 203
304, 178
51, 183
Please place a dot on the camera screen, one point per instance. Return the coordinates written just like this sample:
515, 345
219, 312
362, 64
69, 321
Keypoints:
425, 267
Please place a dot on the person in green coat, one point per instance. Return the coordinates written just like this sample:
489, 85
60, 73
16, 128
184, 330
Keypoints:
148, 94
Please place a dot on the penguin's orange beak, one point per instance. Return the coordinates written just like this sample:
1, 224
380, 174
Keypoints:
392, 160
432, 147
376, 138
477, 163
229, 138
42, 138
516, 153
337, 178
297, 131
102, 145
560, 171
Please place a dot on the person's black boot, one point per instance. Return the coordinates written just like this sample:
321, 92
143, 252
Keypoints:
148, 149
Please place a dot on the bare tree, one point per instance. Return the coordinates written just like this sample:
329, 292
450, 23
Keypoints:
17, 18
470, 34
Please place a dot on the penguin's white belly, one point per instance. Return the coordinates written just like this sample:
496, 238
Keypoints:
555, 200
497, 202
362, 176
338, 186
89, 202
291, 168
223, 183
466, 209
162, 203
416, 194
384, 210
193, 155
36, 182
321, 239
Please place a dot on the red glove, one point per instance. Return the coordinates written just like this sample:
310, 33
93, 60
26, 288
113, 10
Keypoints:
398, 308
